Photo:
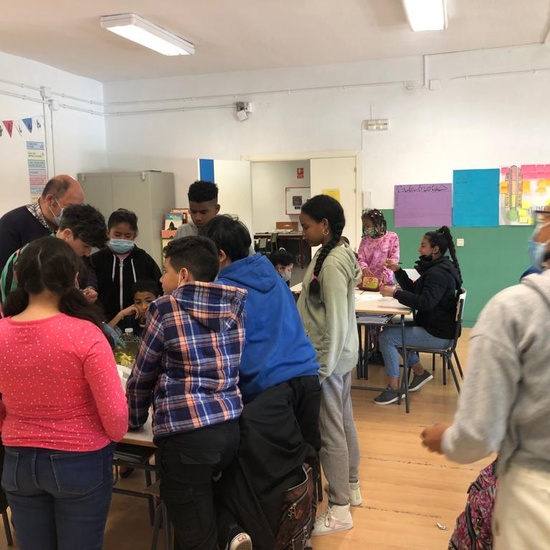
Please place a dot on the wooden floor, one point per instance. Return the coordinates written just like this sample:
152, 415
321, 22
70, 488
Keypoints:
406, 490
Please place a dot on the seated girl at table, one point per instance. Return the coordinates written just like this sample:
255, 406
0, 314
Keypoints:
377, 246
433, 298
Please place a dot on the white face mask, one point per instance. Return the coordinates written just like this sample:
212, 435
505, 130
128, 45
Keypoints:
286, 275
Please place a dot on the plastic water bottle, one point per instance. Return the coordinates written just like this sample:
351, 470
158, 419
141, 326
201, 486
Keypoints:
131, 342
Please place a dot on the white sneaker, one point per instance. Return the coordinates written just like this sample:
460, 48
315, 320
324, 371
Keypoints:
241, 541
336, 518
355, 498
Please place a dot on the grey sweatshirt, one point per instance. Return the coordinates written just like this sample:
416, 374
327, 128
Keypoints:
505, 403
329, 319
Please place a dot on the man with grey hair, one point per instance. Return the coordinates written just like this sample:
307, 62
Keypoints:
39, 219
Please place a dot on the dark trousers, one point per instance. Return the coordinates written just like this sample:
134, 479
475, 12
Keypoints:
279, 432
188, 463
59, 500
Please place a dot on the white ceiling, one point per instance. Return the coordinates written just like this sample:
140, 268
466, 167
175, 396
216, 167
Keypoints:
243, 35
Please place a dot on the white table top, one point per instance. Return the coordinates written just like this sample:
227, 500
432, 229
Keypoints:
143, 436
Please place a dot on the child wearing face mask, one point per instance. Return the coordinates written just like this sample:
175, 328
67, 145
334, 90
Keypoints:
121, 264
377, 246
433, 298
540, 240
283, 262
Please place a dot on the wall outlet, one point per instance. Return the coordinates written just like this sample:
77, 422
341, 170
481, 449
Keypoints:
460, 242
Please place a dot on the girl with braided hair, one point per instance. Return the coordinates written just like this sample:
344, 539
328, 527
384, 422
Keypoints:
327, 308
432, 297
377, 245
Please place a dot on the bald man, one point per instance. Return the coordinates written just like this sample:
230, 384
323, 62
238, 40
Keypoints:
32, 221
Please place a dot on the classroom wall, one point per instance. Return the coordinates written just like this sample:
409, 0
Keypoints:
455, 111
269, 181
76, 140
492, 258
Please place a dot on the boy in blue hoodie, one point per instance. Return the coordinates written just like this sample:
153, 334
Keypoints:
187, 367
278, 381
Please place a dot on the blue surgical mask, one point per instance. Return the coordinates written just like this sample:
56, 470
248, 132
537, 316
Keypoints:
57, 219
370, 232
536, 253
121, 246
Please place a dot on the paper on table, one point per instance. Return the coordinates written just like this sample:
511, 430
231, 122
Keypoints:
368, 296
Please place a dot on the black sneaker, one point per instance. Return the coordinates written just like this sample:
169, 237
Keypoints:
375, 357
388, 396
419, 380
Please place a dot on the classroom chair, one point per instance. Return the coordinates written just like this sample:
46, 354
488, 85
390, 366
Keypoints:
138, 458
160, 518
447, 354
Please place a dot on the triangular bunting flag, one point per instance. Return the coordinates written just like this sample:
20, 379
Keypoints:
28, 123
1, 131
8, 124
38, 122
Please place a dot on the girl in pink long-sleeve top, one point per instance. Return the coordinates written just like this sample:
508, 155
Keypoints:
62, 404
377, 245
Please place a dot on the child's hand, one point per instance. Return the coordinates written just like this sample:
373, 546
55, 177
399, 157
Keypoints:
432, 436
392, 265
90, 294
387, 291
130, 310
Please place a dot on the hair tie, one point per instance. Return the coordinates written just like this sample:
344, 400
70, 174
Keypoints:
314, 278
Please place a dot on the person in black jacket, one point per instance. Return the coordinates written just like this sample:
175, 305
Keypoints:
121, 263
433, 298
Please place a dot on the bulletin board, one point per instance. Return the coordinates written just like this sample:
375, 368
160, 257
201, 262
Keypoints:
295, 197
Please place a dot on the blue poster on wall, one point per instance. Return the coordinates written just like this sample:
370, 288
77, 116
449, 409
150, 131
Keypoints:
476, 197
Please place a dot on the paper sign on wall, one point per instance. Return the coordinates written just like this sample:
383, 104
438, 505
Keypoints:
334, 193
423, 205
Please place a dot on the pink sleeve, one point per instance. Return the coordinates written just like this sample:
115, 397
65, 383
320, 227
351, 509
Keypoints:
361, 254
394, 249
102, 376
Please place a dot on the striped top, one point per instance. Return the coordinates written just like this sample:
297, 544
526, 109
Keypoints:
187, 364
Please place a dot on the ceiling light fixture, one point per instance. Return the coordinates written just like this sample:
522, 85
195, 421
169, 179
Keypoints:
426, 15
136, 28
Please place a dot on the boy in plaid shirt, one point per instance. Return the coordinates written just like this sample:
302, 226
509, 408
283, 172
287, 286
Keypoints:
187, 367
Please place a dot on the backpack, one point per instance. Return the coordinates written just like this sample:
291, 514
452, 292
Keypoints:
299, 504
473, 525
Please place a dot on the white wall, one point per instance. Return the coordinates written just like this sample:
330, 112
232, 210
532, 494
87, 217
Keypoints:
78, 142
269, 181
470, 122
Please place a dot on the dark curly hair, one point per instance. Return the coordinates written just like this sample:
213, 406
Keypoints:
319, 208
202, 191
443, 239
86, 223
378, 221
51, 264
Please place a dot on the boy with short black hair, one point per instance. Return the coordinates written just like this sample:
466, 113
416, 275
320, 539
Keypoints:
203, 206
187, 367
283, 262
145, 292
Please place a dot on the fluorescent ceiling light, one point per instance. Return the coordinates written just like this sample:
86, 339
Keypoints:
136, 28
426, 15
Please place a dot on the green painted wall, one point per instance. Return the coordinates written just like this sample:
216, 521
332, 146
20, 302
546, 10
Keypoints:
492, 258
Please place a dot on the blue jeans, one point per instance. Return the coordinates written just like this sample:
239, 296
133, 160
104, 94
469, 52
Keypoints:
414, 336
59, 500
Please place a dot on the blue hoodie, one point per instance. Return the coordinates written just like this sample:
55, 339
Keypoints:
276, 347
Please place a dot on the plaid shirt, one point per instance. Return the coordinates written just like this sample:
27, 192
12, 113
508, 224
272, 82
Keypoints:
188, 361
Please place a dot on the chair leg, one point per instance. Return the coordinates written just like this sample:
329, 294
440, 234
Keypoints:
7, 528
445, 367
150, 498
433, 362
453, 372
459, 367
